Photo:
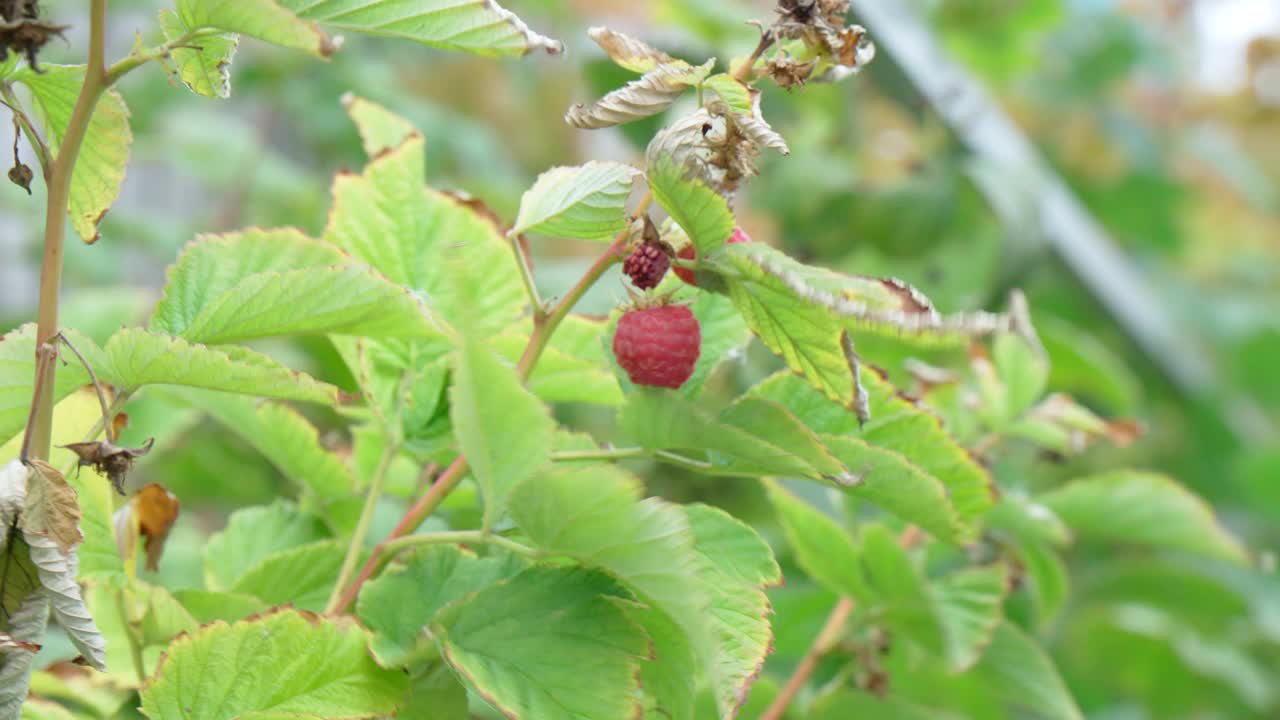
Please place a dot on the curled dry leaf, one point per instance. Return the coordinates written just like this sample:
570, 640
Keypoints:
110, 460
649, 95
628, 52
50, 509
149, 514
820, 25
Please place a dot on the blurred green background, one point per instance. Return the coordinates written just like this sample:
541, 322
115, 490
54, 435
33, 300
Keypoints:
1163, 116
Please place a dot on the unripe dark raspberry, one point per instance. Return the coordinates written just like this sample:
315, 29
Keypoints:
688, 253
646, 266
658, 346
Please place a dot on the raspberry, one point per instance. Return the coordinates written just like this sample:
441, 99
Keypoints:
646, 265
688, 253
658, 346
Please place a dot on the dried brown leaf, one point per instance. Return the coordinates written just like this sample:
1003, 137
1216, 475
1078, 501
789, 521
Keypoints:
51, 509
628, 52
644, 97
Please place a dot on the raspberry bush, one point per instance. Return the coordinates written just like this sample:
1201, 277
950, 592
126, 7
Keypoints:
466, 548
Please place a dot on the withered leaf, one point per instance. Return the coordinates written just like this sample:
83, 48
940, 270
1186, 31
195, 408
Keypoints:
648, 95
51, 509
149, 514
628, 52
109, 459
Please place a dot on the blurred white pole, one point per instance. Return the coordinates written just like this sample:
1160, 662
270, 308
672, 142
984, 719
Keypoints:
1063, 220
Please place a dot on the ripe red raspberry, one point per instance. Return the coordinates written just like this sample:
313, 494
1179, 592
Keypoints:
658, 346
688, 253
646, 266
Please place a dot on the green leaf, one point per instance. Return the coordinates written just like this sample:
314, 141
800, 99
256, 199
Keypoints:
251, 535
670, 678
806, 314
970, 605
851, 704
303, 576
502, 428
550, 642
287, 663
204, 65
1027, 520
435, 693
732, 546
213, 265
1023, 372
134, 357
266, 20
587, 201
425, 240
903, 594
734, 94
700, 211
380, 129
595, 514
890, 480
1130, 506
477, 26
1022, 674
663, 420
403, 382
822, 547
1049, 579
736, 564
340, 300
900, 426
17, 375
100, 166
283, 436
725, 336
207, 606
573, 367
400, 604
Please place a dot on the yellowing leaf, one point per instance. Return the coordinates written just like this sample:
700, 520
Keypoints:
100, 166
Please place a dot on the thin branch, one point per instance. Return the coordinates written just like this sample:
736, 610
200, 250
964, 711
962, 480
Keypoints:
827, 639
38, 145
525, 263
744, 71
45, 354
55, 226
140, 57
362, 525
97, 388
601, 454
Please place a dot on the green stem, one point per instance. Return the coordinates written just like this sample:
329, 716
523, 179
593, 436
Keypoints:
140, 57
612, 454
474, 537
601, 454
24, 121
526, 275
55, 228
362, 525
